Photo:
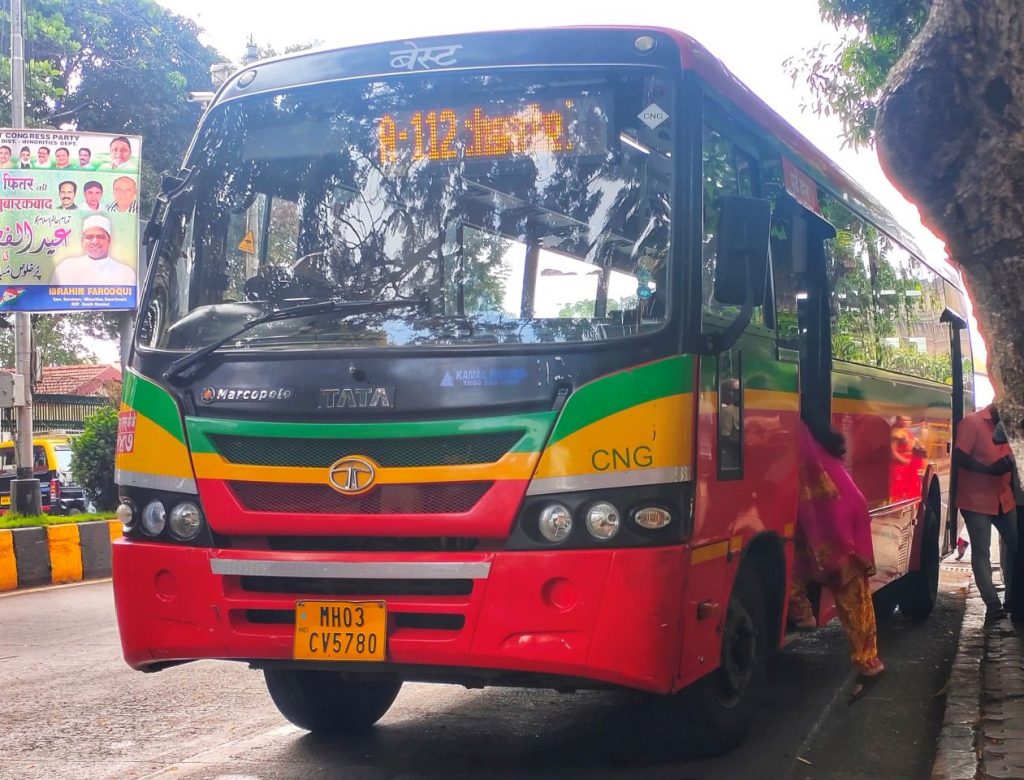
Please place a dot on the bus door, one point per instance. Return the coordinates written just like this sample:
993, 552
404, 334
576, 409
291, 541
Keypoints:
802, 315
746, 426
813, 316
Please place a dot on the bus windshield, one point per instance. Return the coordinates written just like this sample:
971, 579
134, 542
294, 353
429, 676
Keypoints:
518, 207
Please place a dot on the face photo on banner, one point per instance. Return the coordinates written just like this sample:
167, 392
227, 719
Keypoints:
97, 263
69, 222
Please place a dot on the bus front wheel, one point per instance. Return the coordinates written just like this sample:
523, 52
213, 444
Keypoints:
327, 703
919, 590
719, 708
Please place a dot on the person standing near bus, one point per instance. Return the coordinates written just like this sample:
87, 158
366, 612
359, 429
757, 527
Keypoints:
907, 461
833, 547
984, 495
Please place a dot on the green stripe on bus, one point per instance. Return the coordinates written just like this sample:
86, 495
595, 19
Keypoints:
765, 372
605, 396
889, 389
761, 367
154, 402
535, 427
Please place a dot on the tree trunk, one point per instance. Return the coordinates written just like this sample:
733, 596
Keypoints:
950, 135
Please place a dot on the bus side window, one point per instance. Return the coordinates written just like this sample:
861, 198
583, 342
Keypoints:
173, 267
730, 416
912, 297
787, 283
852, 259
955, 301
728, 170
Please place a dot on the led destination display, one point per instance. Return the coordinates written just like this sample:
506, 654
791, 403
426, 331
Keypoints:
506, 129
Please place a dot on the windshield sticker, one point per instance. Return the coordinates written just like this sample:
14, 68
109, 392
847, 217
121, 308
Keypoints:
494, 377
653, 115
248, 243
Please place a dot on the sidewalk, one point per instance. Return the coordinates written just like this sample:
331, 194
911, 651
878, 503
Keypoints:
983, 727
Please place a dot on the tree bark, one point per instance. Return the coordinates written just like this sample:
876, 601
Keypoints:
950, 135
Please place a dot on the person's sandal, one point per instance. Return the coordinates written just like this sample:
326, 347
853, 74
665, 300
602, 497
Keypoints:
866, 680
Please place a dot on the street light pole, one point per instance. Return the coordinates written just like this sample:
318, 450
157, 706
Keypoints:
25, 497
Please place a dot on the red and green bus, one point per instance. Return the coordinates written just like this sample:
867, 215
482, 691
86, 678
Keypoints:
480, 359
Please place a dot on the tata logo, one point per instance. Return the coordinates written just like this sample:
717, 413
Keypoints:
357, 397
352, 475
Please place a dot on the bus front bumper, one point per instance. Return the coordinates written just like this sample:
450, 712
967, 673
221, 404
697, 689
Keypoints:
610, 616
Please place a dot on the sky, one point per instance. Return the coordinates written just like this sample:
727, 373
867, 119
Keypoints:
752, 38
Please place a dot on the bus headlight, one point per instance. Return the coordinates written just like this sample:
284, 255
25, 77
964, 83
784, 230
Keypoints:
186, 521
154, 518
555, 522
603, 521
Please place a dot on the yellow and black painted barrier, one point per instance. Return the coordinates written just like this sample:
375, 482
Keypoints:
55, 554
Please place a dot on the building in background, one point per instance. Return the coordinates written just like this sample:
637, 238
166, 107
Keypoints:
66, 395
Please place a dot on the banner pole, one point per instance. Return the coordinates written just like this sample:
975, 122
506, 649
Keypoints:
25, 498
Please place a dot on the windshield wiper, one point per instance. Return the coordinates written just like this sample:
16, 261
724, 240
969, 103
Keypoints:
179, 367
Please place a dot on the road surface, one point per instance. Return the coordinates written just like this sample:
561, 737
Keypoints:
70, 708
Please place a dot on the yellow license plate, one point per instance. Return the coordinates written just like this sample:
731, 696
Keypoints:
340, 630
5, 500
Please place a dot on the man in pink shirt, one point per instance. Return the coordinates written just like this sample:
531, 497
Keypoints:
985, 496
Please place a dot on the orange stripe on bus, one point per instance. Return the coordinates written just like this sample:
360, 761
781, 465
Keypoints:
709, 552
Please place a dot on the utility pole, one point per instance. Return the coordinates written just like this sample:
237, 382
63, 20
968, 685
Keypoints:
25, 497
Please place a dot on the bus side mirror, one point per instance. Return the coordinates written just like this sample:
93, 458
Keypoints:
744, 226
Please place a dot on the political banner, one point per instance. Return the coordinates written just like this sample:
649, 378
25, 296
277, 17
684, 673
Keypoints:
69, 221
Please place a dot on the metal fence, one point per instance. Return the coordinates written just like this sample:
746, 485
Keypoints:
56, 413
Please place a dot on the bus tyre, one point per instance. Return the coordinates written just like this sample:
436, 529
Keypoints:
920, 589
885, 602
326, 703
720, 707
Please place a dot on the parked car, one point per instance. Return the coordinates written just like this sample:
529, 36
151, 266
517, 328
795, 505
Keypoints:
51, 456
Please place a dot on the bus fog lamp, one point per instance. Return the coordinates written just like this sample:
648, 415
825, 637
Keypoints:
186, 521
125, 514
154, 518
603, 521
652, 517
555, 522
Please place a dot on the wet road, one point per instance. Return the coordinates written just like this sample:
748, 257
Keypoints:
70, 708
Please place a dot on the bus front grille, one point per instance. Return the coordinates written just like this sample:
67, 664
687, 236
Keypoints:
371, 543
425, 498
316, 586
457, 450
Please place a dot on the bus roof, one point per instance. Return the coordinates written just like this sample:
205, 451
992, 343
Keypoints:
695, 58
